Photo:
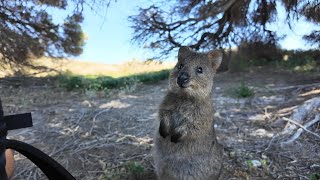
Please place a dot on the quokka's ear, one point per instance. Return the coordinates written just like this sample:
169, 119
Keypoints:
215, 57
184, 52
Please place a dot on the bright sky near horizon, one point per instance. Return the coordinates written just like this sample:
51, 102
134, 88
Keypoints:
109, 34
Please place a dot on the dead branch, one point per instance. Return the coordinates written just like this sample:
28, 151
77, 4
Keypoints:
300, 113
316, 85
300, 130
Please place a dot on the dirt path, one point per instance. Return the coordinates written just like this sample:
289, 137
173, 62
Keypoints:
96, 137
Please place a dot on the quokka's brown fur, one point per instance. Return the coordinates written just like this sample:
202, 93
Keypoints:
186, 146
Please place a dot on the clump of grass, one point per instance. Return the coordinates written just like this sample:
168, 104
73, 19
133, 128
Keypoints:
241, 91
315, 176
249, 163
135, 167
244, 91
111, 176
103, 83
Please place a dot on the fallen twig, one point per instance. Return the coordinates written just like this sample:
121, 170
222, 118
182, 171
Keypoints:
94, 119
270, 142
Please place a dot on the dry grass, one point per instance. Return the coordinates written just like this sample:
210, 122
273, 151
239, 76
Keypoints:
90, 68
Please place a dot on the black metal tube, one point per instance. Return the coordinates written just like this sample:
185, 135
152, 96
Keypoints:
3, 136
51, 168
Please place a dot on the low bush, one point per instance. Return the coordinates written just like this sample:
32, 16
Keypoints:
73, 82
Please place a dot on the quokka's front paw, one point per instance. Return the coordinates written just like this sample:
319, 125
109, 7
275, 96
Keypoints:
176, 137
163, 131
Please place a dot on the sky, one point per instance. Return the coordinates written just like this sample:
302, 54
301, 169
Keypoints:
109, 33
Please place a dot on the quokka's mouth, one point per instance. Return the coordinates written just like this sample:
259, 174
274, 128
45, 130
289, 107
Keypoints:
183, 84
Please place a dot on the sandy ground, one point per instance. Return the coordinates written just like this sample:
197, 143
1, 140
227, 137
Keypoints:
99, 137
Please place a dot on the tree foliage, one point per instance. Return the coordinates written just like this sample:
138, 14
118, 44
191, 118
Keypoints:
28, 29
206, 24
313, 38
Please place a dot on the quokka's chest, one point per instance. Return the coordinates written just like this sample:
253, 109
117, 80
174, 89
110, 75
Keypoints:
188, 111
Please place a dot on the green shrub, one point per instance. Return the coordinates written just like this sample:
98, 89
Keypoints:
238, 65
153, 77
128, 83
259, 54
298, 64
310, 65
260, 62
300, 61
71, 82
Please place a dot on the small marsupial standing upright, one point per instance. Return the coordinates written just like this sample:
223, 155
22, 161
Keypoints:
186, 146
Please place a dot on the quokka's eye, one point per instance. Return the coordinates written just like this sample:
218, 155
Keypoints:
180, 66
199, 70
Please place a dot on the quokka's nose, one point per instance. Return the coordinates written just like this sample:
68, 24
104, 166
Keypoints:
183, 79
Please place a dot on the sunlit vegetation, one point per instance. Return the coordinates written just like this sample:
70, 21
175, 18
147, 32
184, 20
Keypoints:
97, 83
